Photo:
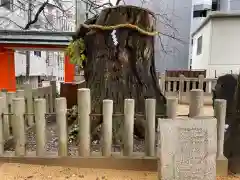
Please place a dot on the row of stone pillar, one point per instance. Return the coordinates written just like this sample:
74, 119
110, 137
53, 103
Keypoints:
84, 109
196, 109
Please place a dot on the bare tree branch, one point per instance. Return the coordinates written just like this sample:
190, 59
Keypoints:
160, 39
13, 5
11, 21
59, 5
118, 2
41, 8
93, 6
97, 6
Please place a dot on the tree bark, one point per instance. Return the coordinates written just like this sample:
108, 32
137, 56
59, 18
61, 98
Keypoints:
228, 88
126, 70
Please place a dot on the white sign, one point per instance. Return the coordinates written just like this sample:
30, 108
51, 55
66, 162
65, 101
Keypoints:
45, 83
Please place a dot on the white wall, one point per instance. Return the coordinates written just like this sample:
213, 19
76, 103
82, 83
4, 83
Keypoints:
234, 5
59, 57
196, 22
225, 49
201, 61
195, 2
38, 65
221, 42
52, 64
20, 64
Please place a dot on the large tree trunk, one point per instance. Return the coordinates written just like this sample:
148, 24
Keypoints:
123, 71
228, 88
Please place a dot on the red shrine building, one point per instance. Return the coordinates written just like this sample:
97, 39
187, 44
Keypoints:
11, 40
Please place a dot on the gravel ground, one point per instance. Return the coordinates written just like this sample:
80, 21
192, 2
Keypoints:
34, 172
52, 142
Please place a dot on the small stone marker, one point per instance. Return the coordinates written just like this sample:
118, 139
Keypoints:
188, 149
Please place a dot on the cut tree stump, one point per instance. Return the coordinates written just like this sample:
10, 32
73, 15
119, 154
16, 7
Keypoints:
125, 70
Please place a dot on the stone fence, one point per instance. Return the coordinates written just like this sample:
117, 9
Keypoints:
181, 86
29, 95
126, 159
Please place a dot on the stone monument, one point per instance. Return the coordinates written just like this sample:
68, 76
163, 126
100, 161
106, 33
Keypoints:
188, 149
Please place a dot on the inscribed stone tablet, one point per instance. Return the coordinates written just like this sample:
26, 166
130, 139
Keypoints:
188, 149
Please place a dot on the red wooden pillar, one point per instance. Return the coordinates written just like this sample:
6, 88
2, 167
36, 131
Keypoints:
69, 70
7, 70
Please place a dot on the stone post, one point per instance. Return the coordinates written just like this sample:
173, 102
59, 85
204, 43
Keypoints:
150, 110
172, 103
29, 105
10, 96
200, 81
181, 88
162, 83
220, 106
61, 111
84, 110
129, 106
6, 124
220, 113
19, 125
48, 101
40, 111
1, 126
196, 103
53, 95
20, 93
107, 127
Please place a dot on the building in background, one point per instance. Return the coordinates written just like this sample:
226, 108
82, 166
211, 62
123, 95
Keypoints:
200, 10
209, 33
216, 44
174, 53
174, 20
180, 19
43, 65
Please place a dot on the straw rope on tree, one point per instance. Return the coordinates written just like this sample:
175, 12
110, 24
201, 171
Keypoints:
76, 48
116, 51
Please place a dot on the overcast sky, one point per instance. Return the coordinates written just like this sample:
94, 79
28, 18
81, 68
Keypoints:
113, 1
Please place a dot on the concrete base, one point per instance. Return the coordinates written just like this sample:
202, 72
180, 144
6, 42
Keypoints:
222, 166
138, 162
